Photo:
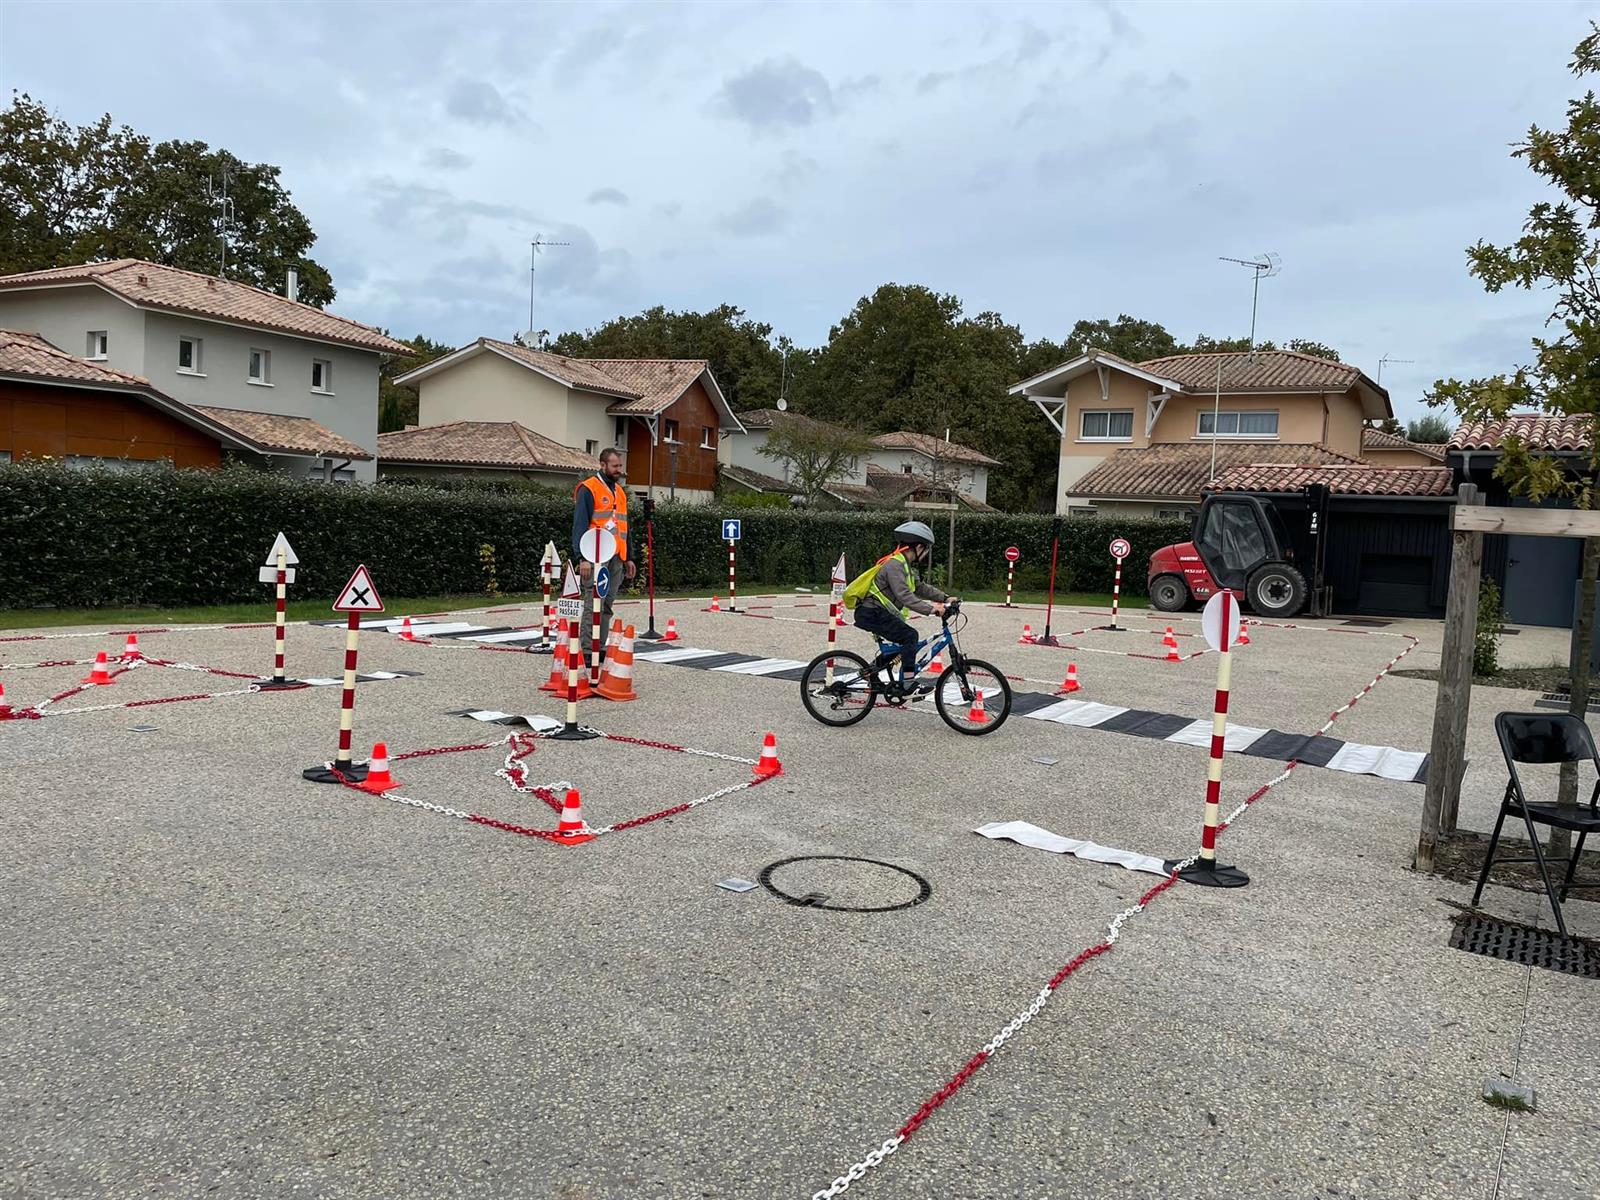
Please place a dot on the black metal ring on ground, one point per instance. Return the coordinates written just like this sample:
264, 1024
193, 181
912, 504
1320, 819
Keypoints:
924, 888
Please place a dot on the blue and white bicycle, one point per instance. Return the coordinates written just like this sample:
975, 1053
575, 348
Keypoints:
840, 688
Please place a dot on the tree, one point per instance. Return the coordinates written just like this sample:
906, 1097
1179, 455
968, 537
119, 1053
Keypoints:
1558, 252
748, 367
1429, 429
97, 191
397, 403
1239, 345
815, 452
1126, 337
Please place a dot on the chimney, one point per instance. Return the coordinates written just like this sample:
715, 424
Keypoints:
291, 286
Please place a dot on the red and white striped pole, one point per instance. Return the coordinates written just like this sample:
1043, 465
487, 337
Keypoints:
1116, 593
347, 703
278, 679
596, 649
733, 587
1205, 870
571, 731
546, 635
1011, 574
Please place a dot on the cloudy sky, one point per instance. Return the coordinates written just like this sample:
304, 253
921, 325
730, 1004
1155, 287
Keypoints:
1049, 161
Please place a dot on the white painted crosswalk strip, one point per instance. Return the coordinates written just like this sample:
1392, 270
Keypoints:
1386, 762
1039, 838
515, 635
681, 654
1085, 713
1237, 737
762, 666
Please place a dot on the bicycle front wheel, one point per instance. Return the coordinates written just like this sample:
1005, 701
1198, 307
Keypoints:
840, 694
973, 698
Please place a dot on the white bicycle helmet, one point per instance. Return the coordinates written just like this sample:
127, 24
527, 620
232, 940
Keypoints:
914, 531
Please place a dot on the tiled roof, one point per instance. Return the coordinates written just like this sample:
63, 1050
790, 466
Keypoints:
932, 447
1537, 430
170, 289
855, 493
1263, 371
756, 480
1378, 439
29, 354
656, 381
1182, 472
1341, 479
574, 372
771, 418
894, 487
481, 444
1435, 448
275, 434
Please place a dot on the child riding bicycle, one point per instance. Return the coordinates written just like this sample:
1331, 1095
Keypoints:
885, 594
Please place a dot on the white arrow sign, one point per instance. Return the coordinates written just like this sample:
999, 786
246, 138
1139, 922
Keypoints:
269, 573
359, 595
551, 557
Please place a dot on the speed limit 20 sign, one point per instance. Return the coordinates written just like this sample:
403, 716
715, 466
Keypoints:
1120, 548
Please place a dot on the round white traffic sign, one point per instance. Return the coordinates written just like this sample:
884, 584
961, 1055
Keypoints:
1221, 617
1012, 554
1120, 548
598, 545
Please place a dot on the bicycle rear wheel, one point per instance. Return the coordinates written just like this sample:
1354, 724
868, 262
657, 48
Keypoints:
956, 696
847, 698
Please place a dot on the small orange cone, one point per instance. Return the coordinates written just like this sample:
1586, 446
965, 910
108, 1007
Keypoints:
616, 683
1027, 635
714, 607
5, 709
1169, 640
131, 650
975, 714
937, 665
405, 630
572, 829
1244, 634
378, 779
557, 683
1172, 653
1071, 685
671, 635
768, 763
99, 675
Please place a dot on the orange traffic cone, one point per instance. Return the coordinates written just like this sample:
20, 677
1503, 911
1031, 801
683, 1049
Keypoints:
572, 829
615, 635
768, 764
1027, 635
671, 635
378, 779
131, 650
557, 682
1172, 653
1169, 639
714, 607
405, 630
975, 714
616, 683
1071, 685
937, 665
99, 675
5, 709
1244, 634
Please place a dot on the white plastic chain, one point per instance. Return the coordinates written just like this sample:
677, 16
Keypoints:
73, 712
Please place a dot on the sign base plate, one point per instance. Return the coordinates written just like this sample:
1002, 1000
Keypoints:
354, 773
278, 685
1213, 875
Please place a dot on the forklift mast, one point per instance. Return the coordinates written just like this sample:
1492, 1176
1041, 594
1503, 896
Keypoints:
1319, 598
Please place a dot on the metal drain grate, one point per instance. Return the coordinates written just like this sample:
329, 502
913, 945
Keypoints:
1521, 944
1562, 701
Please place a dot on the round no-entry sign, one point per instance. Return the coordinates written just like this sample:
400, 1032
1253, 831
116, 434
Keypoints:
1120, 548
1012, 554
1220, 620
598, 545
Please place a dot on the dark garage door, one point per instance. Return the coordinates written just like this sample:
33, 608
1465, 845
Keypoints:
1395, 584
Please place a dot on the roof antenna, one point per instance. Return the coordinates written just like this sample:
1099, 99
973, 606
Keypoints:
533, 340
1387, 359
1264, 267
224, 203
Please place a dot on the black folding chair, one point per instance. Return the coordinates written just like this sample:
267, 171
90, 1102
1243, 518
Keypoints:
1545, 738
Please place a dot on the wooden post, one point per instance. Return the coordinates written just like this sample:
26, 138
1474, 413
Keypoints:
1453, 703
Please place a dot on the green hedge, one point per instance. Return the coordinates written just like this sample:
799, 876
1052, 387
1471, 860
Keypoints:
74, 538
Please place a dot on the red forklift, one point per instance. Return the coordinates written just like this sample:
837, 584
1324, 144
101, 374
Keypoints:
1240, 542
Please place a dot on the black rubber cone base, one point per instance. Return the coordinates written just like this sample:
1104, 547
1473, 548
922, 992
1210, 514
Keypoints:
1112, 628
278, 685
574, 733
353, 773
1048, 639
538, 649
649, 635
1211, 874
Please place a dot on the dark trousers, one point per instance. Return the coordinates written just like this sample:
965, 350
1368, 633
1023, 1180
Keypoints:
890, 627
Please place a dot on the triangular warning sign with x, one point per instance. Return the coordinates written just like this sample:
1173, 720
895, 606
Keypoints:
359, 595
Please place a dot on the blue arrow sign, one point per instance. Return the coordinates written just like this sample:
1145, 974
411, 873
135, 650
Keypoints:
602, 582
730, 529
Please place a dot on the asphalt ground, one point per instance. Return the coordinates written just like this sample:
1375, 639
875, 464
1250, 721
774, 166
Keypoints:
222, 980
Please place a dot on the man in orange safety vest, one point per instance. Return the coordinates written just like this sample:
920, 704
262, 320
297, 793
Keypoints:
600, 503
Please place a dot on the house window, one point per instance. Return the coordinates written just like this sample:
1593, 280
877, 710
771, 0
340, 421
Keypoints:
905, 468
1246, 424
260, 369
622, 432
97, 344
319, 471
1080, 510
1174, 514
671, 433
322, 376
591, 447
189, 359
708, 438
1106, 425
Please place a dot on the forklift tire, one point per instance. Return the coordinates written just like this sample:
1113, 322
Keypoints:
1169, 593
1276, 590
